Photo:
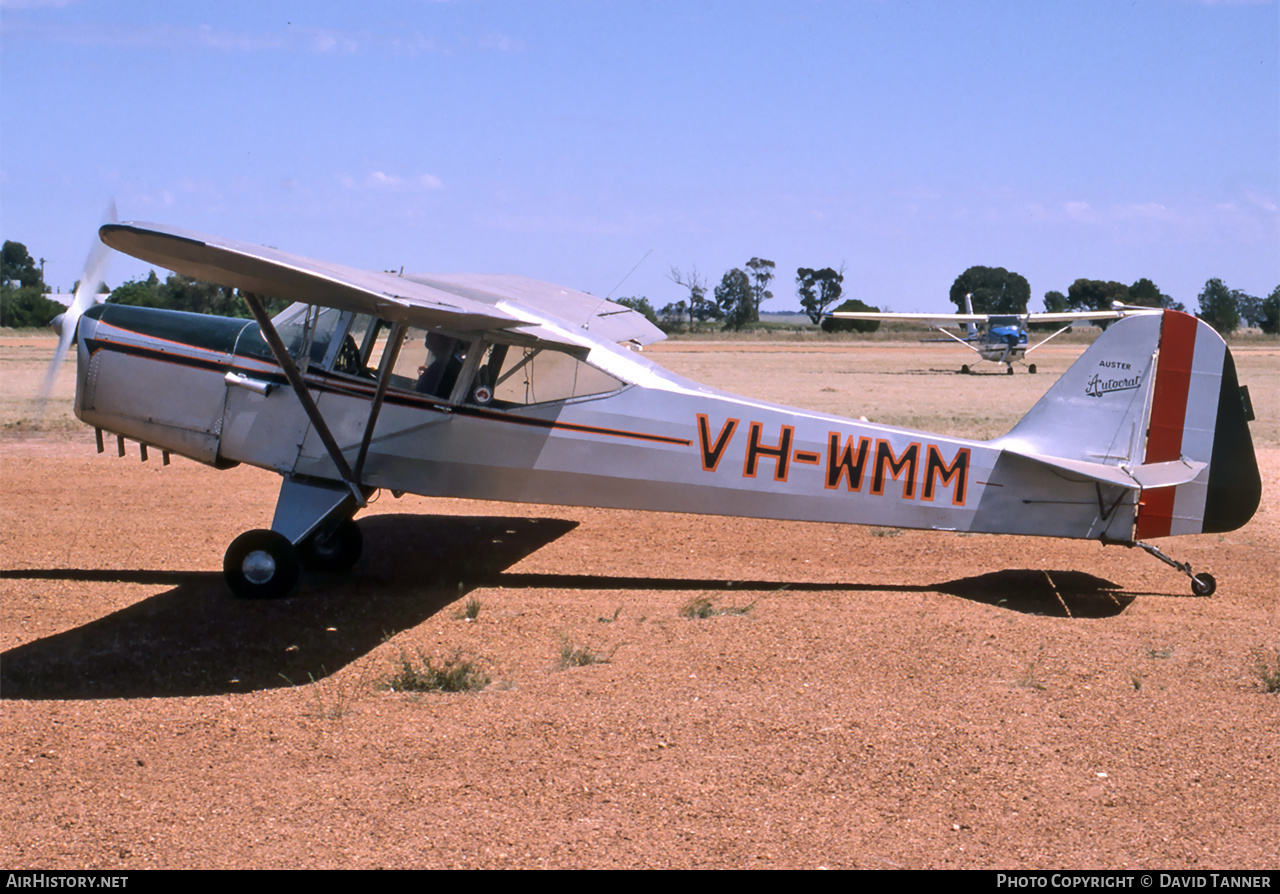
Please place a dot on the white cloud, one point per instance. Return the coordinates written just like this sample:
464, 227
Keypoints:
1077, 210
165, 36
35, 4
500, 43
381, 180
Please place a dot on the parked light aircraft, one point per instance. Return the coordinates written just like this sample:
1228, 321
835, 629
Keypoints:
504, 388
1000, 338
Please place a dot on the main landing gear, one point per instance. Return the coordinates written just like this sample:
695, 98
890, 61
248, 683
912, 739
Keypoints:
312, 529
263, 564
333, 547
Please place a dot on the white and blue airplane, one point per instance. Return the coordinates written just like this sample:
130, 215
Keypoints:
998, 338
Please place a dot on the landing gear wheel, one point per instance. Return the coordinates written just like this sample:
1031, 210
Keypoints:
1008, 370
964, 370
1032, 369
1203, 585
332, 547
261, 565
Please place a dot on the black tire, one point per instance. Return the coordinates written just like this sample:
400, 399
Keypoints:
1032, 369
964, 370
1203, 585
261, 565
1008, 370
332, 547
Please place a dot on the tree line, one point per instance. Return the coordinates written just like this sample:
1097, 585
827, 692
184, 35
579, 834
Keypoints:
22, 290
733, 304
23, 305
995, 290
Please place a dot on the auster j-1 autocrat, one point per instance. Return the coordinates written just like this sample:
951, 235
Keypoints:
499, 387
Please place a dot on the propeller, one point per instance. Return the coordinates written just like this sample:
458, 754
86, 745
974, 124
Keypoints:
65, 324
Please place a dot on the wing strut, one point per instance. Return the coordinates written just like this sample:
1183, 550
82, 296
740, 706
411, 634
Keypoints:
389, 355
304, 396
955, 337
1046, 340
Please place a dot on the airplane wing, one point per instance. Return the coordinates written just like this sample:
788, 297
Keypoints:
461, 302
602, 319
930, 319
1073, 316
961, 319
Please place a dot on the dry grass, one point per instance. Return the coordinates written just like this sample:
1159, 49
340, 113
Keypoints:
456, 673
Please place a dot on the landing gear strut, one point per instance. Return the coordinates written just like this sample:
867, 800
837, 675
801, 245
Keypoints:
1201, 584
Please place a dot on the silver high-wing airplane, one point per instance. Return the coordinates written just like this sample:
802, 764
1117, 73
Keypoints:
503, 388
999, 338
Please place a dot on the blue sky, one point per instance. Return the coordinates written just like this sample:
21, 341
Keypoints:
569, 140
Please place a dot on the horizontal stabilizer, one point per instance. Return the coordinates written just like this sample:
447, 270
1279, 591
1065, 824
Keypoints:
1164, 474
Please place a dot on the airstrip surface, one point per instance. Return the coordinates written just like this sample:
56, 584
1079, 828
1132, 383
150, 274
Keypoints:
889, 699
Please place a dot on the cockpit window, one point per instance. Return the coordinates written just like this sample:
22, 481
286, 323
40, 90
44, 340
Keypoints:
429, 363
510, 375
308, 330
441, 366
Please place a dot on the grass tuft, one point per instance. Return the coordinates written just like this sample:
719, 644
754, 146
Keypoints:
468, 612
1266, 666
453, 674
700, 607
327, 699
1029, 680
581, 656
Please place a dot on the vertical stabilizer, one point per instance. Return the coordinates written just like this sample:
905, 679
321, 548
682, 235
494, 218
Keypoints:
1154, 389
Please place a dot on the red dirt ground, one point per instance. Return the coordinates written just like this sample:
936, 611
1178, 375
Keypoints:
891, 699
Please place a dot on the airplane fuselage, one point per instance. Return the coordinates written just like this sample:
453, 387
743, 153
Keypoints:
209, 389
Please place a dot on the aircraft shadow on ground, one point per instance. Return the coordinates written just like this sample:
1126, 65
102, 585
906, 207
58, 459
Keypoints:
196, 639
933, 371
1066, 594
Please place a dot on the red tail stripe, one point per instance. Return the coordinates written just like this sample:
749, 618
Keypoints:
1168, 418
1173, 382
1155, 513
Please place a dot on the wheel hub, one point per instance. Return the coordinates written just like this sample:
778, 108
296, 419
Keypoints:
258, 567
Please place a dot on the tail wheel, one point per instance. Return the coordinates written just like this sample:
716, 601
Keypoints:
1203, 585
261, 565
332, 548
